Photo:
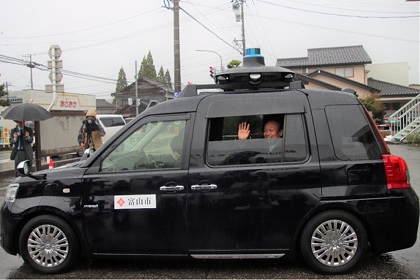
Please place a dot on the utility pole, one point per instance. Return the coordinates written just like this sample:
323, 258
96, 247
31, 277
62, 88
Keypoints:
7, 90
31, 67
238, 8
137, 90
243, 27
177, 56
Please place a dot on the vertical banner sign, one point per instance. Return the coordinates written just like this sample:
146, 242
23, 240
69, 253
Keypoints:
4, 135
1, 135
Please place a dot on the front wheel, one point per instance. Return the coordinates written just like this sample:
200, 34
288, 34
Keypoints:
333, 242
48, 244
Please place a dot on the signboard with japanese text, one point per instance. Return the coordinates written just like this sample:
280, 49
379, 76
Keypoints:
62, 102
135, 201
4, 135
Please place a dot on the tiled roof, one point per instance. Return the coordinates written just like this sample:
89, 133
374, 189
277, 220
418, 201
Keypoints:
307, 79
348, 81
104, 104
328, 56
142, 81
388, 89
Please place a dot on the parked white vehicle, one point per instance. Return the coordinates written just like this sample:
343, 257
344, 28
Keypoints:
111, 124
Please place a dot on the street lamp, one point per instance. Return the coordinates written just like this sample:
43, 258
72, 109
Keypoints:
221, 61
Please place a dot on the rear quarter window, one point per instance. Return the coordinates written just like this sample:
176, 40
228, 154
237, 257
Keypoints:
351, 133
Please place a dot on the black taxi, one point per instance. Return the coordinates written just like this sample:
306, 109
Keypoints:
179, 181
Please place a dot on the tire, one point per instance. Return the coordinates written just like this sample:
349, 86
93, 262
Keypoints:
333, 242
48, 244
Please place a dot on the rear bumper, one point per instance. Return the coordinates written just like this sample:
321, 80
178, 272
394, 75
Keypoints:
392, 222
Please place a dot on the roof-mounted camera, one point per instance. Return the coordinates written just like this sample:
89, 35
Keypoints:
252, 75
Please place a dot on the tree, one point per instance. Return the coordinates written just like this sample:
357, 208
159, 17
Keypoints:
374, 105
234, 63
122, 81
3, 102
168, 80
161, 75
147, 68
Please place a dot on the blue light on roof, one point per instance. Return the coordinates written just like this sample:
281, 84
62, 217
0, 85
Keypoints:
253, 52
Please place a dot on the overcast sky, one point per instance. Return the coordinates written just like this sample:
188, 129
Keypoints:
98, 37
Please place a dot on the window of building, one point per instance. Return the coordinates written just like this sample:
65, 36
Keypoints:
346, 72
223, 148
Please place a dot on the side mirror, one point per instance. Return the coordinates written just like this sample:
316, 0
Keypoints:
23, 168
87, 153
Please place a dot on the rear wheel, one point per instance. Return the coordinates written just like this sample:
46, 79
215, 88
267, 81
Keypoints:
333, 242
48, 244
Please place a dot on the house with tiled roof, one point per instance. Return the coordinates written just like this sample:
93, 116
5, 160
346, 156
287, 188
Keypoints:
345, 67
348, 62
340, 83
340, 68
393, 96
148, 90
104, 107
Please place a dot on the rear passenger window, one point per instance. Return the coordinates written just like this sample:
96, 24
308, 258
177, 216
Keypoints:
351, 135
224, 147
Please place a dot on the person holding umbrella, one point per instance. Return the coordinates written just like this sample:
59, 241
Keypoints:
22, 137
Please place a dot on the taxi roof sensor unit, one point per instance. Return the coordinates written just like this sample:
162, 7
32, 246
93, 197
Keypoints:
254, 74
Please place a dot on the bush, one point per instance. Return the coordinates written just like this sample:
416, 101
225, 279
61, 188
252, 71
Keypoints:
413, 138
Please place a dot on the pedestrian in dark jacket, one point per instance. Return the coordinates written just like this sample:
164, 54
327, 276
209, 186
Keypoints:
21, 137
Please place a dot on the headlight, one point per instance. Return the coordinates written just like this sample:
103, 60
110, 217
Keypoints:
11, 192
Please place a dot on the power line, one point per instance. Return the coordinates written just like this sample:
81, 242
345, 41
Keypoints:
16, 61
81, 30
208, 29
340, 15
353, 10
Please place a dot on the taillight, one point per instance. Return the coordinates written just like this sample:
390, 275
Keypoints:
397, 174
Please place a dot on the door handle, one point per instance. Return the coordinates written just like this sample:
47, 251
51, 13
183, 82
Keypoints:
204, 187
171, 188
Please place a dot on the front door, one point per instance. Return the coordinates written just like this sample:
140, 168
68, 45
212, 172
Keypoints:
135, 193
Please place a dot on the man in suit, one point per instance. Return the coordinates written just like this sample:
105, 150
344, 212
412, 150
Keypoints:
22, 137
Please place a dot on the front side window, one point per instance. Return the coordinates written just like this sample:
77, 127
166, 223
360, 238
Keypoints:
155, 145
271, 139
351, 134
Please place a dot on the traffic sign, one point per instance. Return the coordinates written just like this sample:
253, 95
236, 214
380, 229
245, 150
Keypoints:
57, 51
50, 88
58, 76
58, 64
